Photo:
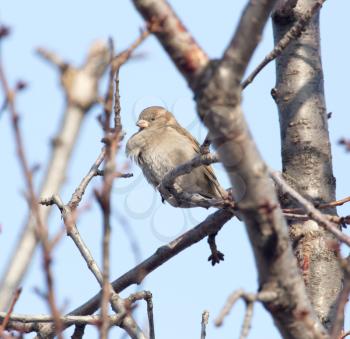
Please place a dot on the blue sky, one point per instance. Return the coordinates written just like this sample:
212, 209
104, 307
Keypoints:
188, 284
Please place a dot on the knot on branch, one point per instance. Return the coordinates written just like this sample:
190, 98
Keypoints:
81, 84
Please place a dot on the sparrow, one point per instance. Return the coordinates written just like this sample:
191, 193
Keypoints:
160, 145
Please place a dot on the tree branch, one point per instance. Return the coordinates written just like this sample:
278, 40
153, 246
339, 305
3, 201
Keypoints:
334, 203
185, 52
147, 296
29, 323
311, 210
40, 227
212, 224
56, 172
204, 323
111, 139
249, 299
7, 316
200, 160
218, 103
306, 154
117, 303
218, 98
337, 328
168, 187
67, 320
80, 190
292, 34
246, 38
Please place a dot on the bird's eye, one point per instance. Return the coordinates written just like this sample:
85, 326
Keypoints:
153, 119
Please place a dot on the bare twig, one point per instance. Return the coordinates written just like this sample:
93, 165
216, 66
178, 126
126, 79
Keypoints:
124, 56
204, 323
343, 221
291, 35
80, 190
150, 316
112, 143
344, 335
72, 231
116, 62
210, 158
218, 101
63, 145
7, 315
346, 143
41, 228
53, 58
247, 321
106, 290
311, 210
112, 139
320, 206
212, 224
342, 301
168, 187
67, 320
116, 174
147, 296
249, 298
200, 160
336, 331
30, 323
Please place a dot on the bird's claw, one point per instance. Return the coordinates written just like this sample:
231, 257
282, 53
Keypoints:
216, 257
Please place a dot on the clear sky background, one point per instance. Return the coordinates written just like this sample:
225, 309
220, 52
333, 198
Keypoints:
188, 284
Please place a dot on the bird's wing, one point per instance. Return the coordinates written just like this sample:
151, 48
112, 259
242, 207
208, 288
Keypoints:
213, 181
207, 170
188, 135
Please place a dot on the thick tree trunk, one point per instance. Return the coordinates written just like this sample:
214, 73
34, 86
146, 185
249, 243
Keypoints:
306, 155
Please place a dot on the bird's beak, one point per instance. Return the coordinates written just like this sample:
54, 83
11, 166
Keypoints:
142, 124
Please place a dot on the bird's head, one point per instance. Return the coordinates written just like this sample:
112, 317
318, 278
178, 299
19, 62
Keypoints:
155, 116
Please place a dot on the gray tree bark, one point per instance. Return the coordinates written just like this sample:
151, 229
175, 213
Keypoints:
298, 312
306, 155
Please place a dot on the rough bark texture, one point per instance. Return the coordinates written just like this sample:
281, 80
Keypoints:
306, 155
218, 93
188, 56
218, 103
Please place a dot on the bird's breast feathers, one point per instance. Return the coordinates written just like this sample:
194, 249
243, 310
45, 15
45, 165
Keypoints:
157, 152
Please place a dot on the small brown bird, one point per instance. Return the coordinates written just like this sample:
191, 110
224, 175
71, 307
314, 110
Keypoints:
162, 144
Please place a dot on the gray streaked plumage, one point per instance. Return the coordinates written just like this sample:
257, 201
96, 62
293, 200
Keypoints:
162, 144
